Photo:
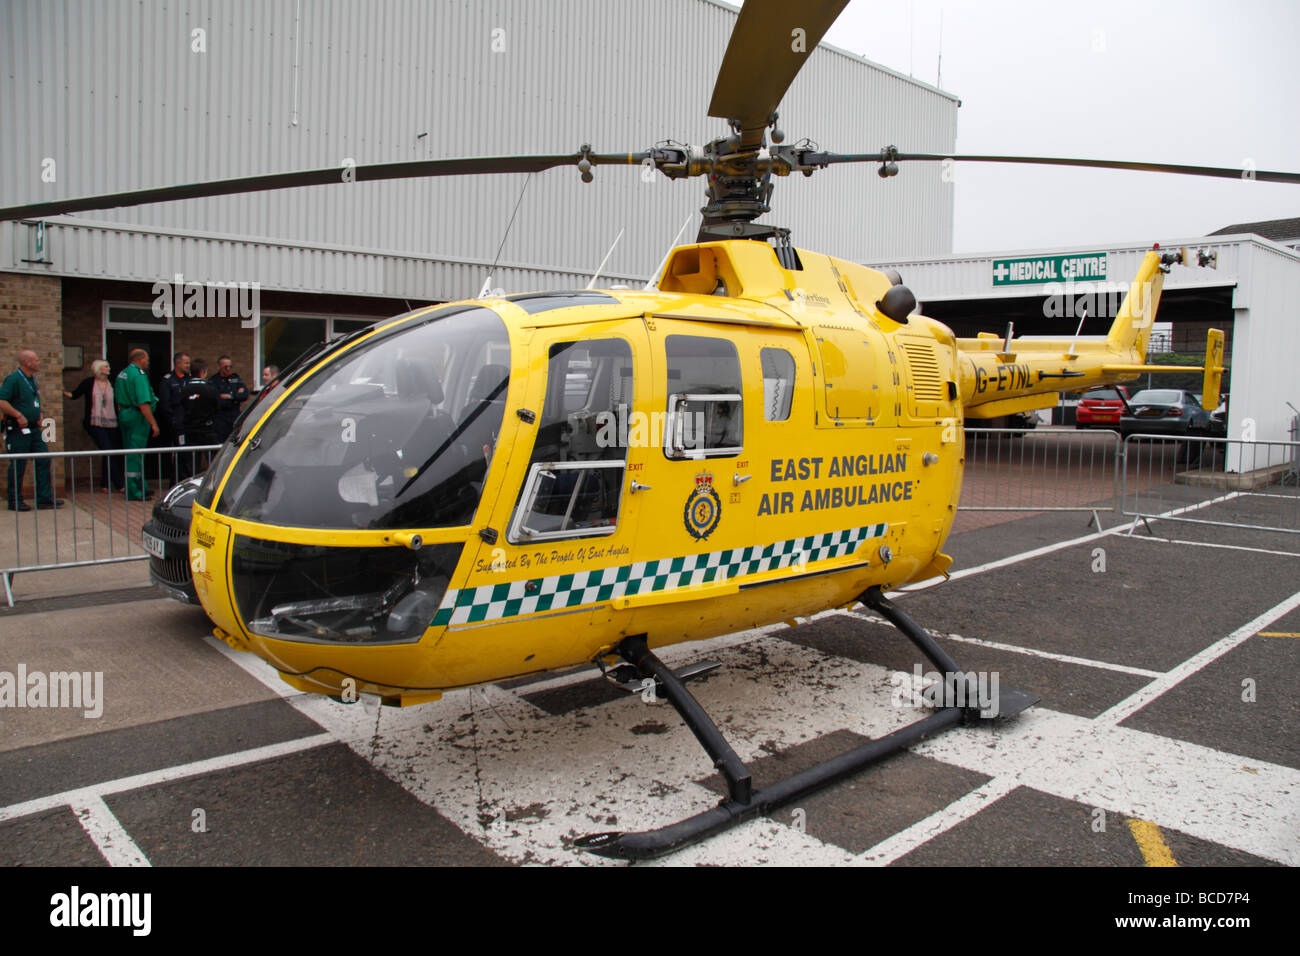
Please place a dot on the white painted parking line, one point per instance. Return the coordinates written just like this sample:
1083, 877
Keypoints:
110, 837
1049, 655
1239, 802
923, 831
83, 795
1030, 651
1215, 544
1185, 509
1005, 562
1150, 692
1058, 546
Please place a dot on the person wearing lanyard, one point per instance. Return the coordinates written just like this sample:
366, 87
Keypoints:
20, 402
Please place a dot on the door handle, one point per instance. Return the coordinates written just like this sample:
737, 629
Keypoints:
637, 486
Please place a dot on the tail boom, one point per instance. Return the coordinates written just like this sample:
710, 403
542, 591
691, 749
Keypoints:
1021, 374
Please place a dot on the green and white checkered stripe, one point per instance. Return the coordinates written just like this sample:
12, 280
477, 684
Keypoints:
491, 602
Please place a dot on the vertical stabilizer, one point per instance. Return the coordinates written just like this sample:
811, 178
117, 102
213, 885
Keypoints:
1132, 326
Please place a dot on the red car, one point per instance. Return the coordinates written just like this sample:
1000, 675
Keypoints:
1102, 407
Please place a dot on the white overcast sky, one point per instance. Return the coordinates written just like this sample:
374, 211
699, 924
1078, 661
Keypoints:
1199, 83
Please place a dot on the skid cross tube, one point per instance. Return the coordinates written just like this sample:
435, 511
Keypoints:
741, 804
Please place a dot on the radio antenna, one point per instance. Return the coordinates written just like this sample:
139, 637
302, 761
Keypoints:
1083, 314
606, 259
487, 283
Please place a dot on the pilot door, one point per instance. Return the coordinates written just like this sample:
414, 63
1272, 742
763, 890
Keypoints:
562, 531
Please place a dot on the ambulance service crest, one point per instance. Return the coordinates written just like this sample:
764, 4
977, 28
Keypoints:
703, 508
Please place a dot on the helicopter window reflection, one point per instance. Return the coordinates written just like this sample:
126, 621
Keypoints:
398, 432
778, 384
705, 406
575, 476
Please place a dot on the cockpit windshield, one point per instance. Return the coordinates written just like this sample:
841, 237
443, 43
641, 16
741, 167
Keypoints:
398, 432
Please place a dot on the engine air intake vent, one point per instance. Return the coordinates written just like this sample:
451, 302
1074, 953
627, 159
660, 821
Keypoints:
927, 385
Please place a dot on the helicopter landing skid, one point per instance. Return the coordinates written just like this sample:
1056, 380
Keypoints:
742, 803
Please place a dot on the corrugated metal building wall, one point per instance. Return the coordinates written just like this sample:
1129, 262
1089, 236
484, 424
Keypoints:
116, 94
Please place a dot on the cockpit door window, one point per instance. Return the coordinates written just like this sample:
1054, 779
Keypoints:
705, 405
574, 484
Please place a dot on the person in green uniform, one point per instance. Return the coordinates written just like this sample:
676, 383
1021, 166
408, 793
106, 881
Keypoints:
20, 403
135, 402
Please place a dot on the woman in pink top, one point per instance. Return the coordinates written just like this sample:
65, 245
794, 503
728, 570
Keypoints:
100, 421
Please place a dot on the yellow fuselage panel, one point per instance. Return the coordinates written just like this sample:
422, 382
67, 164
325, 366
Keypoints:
823, 500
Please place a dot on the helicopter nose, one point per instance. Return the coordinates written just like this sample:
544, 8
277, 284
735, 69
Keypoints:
347, 595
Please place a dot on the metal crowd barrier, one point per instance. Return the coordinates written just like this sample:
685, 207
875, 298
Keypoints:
1209, 481
1213, 481
93, 527
1041, 469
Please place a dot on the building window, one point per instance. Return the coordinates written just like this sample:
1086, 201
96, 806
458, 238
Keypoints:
134, 317
128, 326
283, 337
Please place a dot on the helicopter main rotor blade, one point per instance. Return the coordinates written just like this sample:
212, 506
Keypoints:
889, 155
373, 172
769, 45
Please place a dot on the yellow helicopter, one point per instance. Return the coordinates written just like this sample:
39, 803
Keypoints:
486, 489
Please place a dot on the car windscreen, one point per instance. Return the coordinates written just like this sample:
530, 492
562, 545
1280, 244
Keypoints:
1157, 396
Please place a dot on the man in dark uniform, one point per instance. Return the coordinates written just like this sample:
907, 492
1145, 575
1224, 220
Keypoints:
169, 399
232, 393
20, 403
199, 405
170, 425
